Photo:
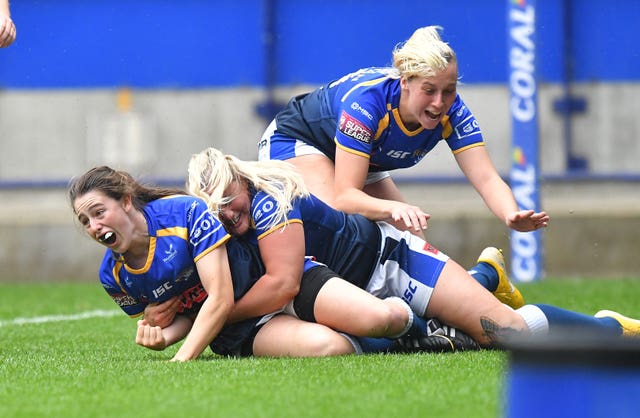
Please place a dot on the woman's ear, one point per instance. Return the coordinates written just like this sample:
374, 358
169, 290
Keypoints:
403, 82
126, 202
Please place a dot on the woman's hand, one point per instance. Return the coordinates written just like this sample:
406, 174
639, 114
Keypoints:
413, 218
162, 314
7, 31
527, 220
150, 336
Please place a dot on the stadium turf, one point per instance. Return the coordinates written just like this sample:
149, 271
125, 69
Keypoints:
65, 350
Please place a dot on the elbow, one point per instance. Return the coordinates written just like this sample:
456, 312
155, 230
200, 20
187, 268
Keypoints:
341, 202
289, 289
286, 287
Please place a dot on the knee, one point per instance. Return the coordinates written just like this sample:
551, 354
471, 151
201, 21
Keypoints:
331, 344
387, 319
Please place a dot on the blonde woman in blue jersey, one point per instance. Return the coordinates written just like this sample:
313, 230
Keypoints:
266, 202
345, 136
163, 245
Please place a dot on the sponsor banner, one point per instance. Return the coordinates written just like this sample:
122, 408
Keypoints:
526, 247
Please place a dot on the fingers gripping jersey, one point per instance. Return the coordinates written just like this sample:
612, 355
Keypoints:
181, 231
359, 114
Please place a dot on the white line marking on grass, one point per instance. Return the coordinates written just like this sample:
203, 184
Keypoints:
59, 318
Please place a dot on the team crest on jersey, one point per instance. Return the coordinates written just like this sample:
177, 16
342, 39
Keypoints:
353, 128
430, 248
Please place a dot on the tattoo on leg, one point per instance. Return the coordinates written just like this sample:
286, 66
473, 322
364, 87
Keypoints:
494, 332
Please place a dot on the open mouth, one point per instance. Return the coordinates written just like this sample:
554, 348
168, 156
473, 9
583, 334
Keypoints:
432, 116
108, 238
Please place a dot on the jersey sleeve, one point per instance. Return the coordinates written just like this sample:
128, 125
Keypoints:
462, 130
205, 231
264, 212
361, 111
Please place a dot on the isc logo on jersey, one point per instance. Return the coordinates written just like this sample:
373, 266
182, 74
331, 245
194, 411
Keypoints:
353, 128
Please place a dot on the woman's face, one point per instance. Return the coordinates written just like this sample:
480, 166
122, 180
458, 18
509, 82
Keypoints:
235, 215
105, 219
425, 100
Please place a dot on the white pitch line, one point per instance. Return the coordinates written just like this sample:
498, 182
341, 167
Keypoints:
59, 318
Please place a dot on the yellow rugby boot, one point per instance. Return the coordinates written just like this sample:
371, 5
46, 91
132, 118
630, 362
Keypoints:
506, 292
630, 326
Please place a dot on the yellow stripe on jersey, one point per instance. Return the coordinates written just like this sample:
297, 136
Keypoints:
116, 268
279, 226
383, 124
351, 151
364, 83
177, 231
213, 247
447, 130
147, 263
396, 116
458, 151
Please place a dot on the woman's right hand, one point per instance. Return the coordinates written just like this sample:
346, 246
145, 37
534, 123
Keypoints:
150, 336
411, 217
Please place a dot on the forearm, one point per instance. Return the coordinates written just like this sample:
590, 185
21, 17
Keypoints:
499, 198
178, 329
267, 295
206, 326
357, 201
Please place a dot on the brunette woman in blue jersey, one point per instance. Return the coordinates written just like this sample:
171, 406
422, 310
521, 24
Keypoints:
267, 202
165, 245
345, 136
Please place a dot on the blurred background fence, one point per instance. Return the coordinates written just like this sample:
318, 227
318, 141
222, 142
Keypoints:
141, 85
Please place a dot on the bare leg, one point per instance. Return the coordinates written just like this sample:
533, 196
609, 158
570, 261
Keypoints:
345, 307
460, 301
318, 172
287, 336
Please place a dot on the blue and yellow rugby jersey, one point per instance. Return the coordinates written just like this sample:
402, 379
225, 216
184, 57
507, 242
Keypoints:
181, 230
359, 113
347, 244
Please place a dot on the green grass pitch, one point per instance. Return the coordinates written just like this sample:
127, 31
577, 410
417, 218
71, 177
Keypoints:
92, 367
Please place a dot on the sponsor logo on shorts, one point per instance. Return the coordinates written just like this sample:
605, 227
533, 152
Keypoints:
430, 248
353, 128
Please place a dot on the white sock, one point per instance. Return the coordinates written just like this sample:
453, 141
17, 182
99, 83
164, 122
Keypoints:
535, 319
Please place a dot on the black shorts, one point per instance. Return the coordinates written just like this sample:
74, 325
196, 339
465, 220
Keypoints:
310, 285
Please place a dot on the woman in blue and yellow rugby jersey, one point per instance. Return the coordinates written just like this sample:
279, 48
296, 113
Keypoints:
266, 202
345, 136
166, 247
